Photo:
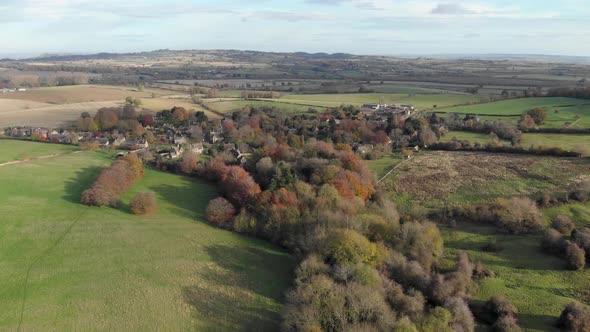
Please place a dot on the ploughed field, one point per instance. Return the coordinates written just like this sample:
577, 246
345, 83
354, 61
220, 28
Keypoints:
65, 266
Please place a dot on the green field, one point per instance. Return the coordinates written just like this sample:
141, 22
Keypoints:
65, 266
559, 110
535, 282
235, 105
11, 150
569, 142
426, 101
380, 167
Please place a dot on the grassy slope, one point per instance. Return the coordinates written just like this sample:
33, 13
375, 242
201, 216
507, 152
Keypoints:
11, 150
81, 268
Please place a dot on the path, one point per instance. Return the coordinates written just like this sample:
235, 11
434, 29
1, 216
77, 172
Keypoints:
393, 169
37, 158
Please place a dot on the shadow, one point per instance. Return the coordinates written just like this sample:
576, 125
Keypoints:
538, 322
187, 200
82, 180
520, 252
243, 289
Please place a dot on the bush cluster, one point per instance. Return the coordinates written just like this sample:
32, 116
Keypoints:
517, 215
113, 181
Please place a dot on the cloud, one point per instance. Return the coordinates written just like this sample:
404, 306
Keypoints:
451, 9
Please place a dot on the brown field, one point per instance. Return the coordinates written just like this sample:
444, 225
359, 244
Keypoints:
18, 104
50, 115
76, 94
158, 104
441, 178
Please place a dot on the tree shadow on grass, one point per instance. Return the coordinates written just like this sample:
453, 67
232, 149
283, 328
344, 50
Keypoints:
187, 200
81, 181
244, 288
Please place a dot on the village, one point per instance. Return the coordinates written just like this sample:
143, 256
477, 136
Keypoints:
165, 140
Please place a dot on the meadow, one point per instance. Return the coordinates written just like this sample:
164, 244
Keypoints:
569, 142
11, 150
65, 266
559, 110
420, 101
537, 284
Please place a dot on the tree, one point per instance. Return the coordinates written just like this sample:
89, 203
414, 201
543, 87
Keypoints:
148, 120
189, 163
143, 203
538, 114
220, 211
526, 122
350, 247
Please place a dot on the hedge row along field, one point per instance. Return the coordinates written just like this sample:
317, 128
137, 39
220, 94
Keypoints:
114, 181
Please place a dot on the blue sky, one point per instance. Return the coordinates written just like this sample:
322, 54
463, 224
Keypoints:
386, 27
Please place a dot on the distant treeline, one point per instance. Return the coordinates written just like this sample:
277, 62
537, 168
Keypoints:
580, 92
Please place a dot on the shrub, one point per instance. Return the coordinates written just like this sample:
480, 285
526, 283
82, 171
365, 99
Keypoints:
500, 306
518, 215
89, 146
574, 318
581, 236
410, 304
143, 203
575, 256
506, 324
220, 211
563, 224
310, 267
463, 320
552, 242
349, 247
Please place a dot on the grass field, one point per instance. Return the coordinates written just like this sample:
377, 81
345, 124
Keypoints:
425, 101
570, 142
380, 167
65, 266
228, 106
567, 109
11, 150
537, 283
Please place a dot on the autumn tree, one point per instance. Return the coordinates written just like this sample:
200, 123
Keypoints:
220, 211
143, 203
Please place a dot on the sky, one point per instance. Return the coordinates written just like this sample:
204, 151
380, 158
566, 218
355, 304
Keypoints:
369, 27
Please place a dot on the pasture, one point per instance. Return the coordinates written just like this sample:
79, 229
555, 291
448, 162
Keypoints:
568, 142
424, 101
11, 150
228, 106
537, 284
559, 110
65, 266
